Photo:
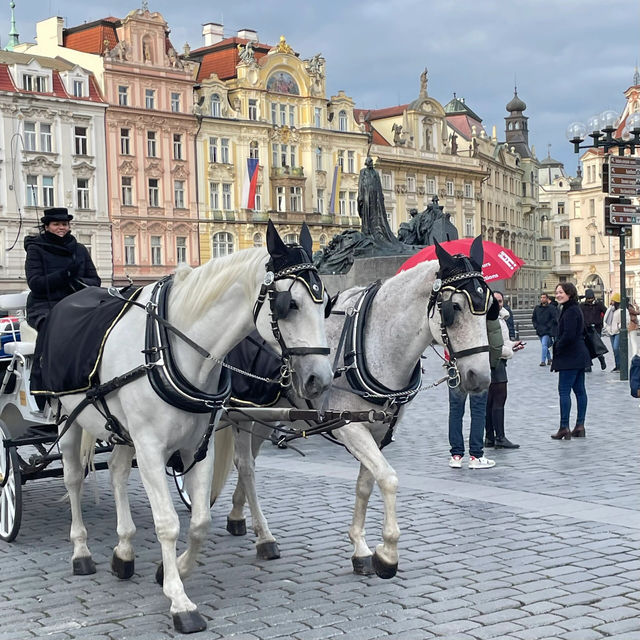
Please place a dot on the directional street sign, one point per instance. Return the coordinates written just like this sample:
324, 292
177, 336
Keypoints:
619, 215
624, 176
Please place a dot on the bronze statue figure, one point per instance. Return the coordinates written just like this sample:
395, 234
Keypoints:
426, 227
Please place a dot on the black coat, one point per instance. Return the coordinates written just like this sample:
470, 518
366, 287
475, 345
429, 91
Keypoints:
545, 320
55, 268
593, 313
569, 349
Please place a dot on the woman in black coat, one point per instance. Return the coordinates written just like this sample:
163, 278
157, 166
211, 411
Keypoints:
570, 359
56, 266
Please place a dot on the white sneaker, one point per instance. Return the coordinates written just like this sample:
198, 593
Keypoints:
481, 463
455, 462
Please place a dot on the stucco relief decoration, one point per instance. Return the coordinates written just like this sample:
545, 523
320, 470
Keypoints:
120, 52
40, 165
283, 134
174, 61
127, 168
283, 82
179, 172
83, 170
153, 170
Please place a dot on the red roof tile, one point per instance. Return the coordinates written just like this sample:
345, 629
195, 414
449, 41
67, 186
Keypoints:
463, 124
387, 112
90, 38
222, 58
378, 139
58, 86
6, 81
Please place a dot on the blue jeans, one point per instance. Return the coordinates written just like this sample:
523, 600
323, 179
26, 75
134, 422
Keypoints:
615, 347
478, 404
546, 341
568, 380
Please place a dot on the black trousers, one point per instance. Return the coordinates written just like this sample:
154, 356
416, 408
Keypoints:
494, 425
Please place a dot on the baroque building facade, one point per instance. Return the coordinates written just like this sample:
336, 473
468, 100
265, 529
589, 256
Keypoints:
150, 137
53, 154
270, 144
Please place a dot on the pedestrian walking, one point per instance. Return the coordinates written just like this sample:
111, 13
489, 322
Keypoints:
612, 321
545, 322
497, 396
593, 314
511, 324
570, 359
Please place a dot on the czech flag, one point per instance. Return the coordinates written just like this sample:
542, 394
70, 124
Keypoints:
250, 181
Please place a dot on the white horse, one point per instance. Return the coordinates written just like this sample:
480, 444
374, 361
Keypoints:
214, 305
408, 314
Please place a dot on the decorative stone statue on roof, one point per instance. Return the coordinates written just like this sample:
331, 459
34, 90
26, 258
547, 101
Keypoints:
424, 78
283, 47
246, 53
426, 227
375, 237
315, 65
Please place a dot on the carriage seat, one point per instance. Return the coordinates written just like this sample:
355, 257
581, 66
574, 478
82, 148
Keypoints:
14, 301
23, 348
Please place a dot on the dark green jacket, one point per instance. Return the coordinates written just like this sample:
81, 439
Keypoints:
494, 333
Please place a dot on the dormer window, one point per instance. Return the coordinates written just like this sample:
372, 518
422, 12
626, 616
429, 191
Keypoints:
33, 82
78, 89
342, 121
215, 105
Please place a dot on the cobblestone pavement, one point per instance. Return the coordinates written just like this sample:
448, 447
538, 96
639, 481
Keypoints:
544, 545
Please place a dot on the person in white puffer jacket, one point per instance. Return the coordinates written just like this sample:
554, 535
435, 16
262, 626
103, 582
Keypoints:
494, 425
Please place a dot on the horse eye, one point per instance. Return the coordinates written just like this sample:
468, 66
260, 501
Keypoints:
456, 307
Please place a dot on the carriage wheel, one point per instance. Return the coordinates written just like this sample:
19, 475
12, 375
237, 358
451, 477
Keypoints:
11, 492
178, 478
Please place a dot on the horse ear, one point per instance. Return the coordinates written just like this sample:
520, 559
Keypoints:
444, 257
305, 239
476, 252
275, 246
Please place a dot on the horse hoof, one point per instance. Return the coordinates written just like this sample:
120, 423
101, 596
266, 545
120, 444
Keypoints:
363, 566
383, 569
83, 566
268, 551
122, 568
188, 622
160, 574
237, 527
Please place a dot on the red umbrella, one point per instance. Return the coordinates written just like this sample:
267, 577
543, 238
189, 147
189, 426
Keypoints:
499, 263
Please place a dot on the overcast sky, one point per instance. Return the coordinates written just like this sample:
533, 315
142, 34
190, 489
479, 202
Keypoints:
570, 59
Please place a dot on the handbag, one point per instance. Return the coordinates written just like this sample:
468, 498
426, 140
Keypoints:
594, 343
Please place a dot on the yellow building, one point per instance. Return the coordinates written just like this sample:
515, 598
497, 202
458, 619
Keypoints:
262, 108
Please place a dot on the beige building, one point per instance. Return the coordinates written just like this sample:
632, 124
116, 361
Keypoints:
263, 109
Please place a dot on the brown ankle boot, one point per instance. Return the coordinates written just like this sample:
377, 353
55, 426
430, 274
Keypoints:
563, 433
579, 432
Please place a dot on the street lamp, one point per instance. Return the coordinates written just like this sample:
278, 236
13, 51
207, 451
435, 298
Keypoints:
601, 129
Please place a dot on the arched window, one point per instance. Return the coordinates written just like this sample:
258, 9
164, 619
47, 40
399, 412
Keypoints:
222, 244
215, 105
342, 121
517, 125
291, 238
323, 241
253, 150
258, 240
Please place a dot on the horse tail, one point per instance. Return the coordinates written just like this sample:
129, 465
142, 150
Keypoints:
222, 459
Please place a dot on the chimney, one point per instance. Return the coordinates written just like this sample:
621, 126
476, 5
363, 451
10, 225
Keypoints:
212, 32
248, 34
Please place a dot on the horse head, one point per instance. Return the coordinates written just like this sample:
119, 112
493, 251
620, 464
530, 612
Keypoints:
293, 320
462, 300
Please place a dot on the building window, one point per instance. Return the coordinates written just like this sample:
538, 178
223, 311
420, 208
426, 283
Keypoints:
411, 184
320, 201
80, 138
291, 238
123, 97
129, 249
295, 198
254, 150
213, 149
592, 207
82, 193
177, 146
47, 191
257, 206
322, 241
293, 156
468, 190
45, 137
78, 88
341, 160
150, 98
386, 181
342, 121
564, 232
253, 109
258, 241
178, 194
127, 191
449, 186
154, 192
351, 162
30, 136
215, 105
353, 203
318, 158
560, 208
577, 245
125, 142
342, 203
565, 258
283, 115
431, 186
226, 196
292, 116
545, 252
280, 200
156, 250
32, 191
175, 102
214, 196
181, 249
31, 82
224, 150
222, 244
274, 113
151, 144
593, 244
317, 114
468, 227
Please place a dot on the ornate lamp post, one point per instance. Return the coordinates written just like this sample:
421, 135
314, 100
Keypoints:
601, 130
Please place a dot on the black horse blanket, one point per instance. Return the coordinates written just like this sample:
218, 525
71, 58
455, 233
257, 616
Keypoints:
69, 345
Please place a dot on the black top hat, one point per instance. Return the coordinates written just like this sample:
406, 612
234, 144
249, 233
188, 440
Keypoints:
56, 214
588, 293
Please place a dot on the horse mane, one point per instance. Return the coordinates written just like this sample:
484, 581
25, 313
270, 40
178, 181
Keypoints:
197, 288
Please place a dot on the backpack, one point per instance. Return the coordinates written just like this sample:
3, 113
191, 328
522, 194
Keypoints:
634, 377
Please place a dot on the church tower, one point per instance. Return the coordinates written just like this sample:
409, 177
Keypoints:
517, 131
